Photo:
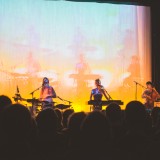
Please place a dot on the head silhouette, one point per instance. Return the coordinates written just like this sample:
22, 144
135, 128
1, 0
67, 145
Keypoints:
113, 113
47, 121
66, 115
135, 114
95, 129
75, 121
16, 122
4, 102
59, 115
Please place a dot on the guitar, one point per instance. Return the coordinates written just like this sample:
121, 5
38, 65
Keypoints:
151, 96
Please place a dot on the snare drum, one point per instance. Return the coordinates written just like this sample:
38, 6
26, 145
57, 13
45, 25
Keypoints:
46, 104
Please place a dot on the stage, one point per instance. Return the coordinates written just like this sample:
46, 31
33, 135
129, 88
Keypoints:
112, 44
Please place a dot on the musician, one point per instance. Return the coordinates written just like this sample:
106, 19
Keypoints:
150, 95
47, 93
98, 93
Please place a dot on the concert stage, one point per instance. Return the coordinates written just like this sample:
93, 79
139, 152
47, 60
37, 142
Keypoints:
112, 44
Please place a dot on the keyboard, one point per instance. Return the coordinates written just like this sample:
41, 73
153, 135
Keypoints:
104, 103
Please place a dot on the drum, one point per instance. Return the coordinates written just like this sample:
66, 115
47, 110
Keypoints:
46, 104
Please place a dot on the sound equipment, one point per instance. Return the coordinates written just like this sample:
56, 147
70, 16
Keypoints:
157, 103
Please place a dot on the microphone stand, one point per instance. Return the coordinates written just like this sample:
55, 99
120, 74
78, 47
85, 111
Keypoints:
137, 88
35, 91
110, 98
60, 98
64, 100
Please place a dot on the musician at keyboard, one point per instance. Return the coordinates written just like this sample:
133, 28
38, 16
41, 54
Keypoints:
97, 93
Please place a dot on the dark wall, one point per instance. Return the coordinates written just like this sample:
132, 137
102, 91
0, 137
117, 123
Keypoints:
155, 24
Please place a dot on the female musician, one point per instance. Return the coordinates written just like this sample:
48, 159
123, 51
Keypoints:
47, 93
98, 93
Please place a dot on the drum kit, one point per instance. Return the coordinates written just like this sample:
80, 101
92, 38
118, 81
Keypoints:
37, 105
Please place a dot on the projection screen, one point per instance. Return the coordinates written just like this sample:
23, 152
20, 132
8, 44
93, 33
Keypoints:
74, 43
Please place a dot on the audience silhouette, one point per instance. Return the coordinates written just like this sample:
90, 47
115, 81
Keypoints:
4, 102
128, 134
16, 131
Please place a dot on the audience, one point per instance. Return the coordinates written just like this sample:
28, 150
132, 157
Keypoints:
60, 118
115, 119
135, 142
155, 115
66, 114
95, 135
50, 142
4, 102
16, 131
74, 124
74, 136
54, 134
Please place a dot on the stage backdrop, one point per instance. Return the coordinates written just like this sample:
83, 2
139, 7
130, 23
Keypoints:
72, 44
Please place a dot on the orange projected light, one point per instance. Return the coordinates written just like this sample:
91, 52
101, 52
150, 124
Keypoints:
75, 86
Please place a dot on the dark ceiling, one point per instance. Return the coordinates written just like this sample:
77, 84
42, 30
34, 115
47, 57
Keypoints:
137, 2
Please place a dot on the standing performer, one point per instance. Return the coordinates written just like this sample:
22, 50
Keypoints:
150, 95
98, 93
47, 93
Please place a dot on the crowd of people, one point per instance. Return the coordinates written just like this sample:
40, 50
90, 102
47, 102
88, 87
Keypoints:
111, 134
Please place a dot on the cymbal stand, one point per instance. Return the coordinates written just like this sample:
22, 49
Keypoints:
32, 94
65, 100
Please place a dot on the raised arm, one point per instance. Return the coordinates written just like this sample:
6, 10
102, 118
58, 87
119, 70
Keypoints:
91, 95
104, 93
